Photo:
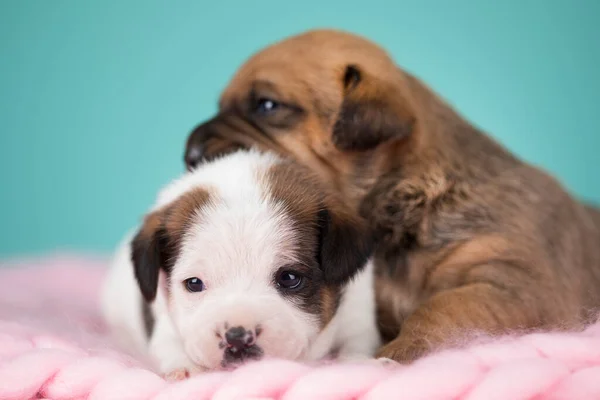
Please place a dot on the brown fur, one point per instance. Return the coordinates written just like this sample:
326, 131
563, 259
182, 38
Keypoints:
305, 201
156, 245
470, 238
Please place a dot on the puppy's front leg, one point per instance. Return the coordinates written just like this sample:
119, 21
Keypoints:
358, 335
359, 348
451, 316
166, 348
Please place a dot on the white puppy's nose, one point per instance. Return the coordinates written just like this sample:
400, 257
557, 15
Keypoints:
239, 345
239, 337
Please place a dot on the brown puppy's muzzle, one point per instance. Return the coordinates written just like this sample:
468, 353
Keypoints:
214, 138
227, 132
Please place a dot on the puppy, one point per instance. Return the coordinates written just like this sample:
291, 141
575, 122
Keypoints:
469, 237
244, 258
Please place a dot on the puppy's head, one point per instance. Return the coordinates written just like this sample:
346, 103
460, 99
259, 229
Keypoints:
328, 98
255, 257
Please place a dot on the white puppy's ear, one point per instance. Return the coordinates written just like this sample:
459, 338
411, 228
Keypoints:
150, 252
345, 245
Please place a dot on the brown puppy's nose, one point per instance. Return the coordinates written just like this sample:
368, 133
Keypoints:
213, 138
193, 156
195, 147
239, 338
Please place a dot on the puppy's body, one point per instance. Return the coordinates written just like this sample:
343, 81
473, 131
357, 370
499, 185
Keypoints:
469, 237
238, 224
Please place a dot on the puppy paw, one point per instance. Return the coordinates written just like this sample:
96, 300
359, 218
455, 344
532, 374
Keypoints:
403, 351
177, 375
364, 359
352, 358
387, 362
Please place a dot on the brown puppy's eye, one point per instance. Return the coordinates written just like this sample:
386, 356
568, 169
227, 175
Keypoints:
266, 106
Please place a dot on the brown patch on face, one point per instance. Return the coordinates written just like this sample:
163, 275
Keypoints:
298, 191
331, 244
158, 242
178, 216
301, 194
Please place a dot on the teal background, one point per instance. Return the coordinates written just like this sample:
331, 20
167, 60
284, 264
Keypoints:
97, 98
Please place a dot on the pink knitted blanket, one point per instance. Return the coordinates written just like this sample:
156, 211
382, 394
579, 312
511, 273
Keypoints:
53, 346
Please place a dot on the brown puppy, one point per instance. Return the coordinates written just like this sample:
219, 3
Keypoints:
470, 238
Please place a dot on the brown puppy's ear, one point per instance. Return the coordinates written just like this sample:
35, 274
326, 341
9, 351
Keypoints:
150, 253
344, 246
372, 113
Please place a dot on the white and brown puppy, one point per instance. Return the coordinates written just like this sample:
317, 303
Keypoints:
246, 257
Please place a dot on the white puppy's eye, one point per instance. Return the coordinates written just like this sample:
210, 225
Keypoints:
194, 285
289, 280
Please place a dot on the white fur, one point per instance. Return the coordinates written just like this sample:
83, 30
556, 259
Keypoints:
236, 245
121, 300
